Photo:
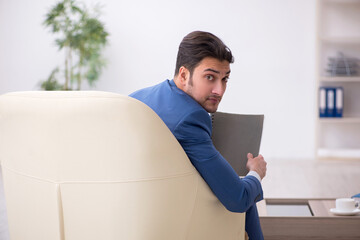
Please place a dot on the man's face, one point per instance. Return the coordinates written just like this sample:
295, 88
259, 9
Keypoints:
208, 82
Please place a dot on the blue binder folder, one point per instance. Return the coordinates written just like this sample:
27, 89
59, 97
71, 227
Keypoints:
330, 102
322, 102
339, 101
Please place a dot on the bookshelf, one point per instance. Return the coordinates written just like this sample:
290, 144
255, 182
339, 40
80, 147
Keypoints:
340, 79
338, 31
340, 120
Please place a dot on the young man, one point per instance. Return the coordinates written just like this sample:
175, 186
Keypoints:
201, 74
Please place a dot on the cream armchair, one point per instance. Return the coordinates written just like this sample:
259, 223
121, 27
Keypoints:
98, 165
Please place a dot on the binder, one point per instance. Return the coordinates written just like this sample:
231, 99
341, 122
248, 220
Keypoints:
339, 101
235, 135
322, 102
330, 102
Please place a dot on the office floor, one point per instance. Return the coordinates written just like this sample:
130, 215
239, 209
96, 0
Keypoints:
285, 179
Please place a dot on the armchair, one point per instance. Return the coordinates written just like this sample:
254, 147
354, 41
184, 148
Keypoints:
99, 165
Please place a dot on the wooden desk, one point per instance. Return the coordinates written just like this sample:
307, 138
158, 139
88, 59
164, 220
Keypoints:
322, 225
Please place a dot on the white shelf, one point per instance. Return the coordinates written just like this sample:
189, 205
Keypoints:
341, 40
340, 120
338, 31
342, 1
340, 79
338, 153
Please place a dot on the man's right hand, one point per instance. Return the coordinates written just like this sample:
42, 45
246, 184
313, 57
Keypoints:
257, 164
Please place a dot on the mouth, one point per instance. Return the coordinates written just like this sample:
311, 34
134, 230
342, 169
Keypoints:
214, 99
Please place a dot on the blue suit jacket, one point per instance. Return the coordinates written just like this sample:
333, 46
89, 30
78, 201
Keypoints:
191, 125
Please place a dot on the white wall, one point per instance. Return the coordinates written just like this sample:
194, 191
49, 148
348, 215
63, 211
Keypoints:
273, 42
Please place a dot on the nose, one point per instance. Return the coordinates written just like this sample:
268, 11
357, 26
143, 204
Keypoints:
219, 88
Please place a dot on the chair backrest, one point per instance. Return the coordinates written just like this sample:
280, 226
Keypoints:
99, 165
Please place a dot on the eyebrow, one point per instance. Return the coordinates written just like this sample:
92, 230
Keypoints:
215, 71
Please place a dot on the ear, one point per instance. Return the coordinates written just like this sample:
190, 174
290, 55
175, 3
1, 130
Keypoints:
183, 75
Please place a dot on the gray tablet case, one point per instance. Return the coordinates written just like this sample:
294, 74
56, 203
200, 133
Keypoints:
235, 135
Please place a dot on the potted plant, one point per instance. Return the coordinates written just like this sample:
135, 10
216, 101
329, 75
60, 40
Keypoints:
82, 37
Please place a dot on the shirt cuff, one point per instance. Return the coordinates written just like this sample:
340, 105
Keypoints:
254, 174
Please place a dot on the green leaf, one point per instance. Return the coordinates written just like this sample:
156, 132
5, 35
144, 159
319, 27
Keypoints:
83, 34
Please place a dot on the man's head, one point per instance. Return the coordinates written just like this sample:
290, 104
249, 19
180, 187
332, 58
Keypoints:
203, 68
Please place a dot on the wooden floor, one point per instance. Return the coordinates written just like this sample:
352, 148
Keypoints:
312, 179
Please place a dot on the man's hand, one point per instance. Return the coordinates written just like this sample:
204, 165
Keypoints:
257, 164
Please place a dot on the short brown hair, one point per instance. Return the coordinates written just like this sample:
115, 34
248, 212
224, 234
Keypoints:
196, 46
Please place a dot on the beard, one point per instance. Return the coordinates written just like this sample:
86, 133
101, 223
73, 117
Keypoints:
208, 103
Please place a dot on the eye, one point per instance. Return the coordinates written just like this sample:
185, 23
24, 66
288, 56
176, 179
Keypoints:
225, 79
209, 77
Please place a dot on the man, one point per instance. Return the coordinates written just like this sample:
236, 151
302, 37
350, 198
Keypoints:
201, 74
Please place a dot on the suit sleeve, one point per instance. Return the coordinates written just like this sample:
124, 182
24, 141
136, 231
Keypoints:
194, 134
